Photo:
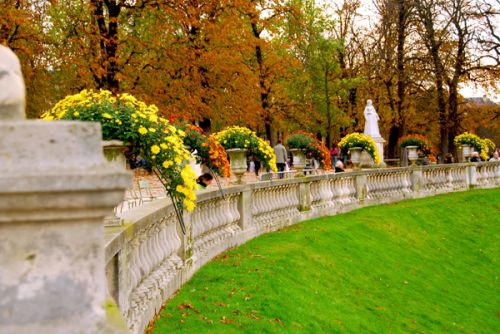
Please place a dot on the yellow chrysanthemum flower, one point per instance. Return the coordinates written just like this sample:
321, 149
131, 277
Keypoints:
155, 149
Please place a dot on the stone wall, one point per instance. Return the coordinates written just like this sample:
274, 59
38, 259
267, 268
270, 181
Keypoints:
149, 258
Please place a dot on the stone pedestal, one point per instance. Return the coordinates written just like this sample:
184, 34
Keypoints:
367, 160
380, 145
55, 189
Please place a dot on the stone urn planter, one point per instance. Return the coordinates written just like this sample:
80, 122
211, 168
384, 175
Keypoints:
355, 153
466, 152
238, 161
412, 154
114, 152
299, 158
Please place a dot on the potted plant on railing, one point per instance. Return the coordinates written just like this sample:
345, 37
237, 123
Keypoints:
304, 145
467, 141
413, 143
238, 141
355, 143
208, 151
129, 120
490, 145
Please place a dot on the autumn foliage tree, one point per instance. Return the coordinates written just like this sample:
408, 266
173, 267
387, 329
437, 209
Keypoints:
273, 65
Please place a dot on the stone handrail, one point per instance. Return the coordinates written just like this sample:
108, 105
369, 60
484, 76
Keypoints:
149, 258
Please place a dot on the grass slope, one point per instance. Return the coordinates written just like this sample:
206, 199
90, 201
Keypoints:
423, 266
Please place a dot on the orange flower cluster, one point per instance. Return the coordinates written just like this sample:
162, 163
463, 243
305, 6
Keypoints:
317, 150
218, 156
210, 152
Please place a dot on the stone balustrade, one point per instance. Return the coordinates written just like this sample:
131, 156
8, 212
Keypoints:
149, 258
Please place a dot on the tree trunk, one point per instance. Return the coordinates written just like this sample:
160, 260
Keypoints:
108, 43
402, 14
329, 120
264, 90
392, 147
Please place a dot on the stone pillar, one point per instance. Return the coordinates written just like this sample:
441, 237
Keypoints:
305, 199
416, 180
472, 175
55, 189
380, 145
245, 209
361, 188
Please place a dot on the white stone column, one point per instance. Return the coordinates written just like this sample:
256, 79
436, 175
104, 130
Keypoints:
55, 189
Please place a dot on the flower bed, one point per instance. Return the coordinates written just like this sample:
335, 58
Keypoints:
420, 141
241, 137
477, 143
356, 139
313, 148
125, 118
209, 151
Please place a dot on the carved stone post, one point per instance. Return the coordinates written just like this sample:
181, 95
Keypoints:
361, 188
305, 199
416, 181
55, 189
245, 209
472, 175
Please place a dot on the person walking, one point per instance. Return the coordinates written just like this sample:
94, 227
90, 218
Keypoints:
281, 155
334, 152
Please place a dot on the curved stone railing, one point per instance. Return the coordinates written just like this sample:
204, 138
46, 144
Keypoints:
149, 258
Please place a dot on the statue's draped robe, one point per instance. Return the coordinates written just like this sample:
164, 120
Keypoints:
371, 122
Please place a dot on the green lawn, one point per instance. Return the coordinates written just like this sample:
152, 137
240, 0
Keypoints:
423, 266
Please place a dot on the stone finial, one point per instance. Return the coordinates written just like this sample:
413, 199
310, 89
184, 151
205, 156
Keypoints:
12, 91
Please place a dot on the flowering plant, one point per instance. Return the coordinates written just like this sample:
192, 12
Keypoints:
209, 151
420, 141
313, 148
477, 143
490, 145
356, 139
125, 118
241, 137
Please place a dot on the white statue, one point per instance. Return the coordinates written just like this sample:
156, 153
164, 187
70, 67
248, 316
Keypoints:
12, 91
371, 121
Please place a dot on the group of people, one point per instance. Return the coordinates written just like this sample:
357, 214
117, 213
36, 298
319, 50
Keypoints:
475, 157
283, 160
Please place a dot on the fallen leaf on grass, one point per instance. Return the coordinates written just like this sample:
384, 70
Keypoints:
184, 306
277, 320
224, 320
253, 315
